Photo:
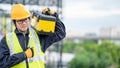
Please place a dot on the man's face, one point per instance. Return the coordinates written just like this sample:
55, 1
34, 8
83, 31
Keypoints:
23, 24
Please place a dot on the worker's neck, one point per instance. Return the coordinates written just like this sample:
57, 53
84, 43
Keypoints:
23, 32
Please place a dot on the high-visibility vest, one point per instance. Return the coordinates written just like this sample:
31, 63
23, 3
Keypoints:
37, 61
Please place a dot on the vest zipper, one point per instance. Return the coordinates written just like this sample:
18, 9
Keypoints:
27, 65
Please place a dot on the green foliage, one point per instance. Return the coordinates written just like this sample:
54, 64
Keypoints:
110, 47
93, 60
105, 60
79, 62
88, 60
90, 45
89, 54
69, 46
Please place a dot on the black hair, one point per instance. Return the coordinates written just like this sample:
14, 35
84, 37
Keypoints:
14, 21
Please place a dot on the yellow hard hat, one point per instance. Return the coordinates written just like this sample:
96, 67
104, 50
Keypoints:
19, 12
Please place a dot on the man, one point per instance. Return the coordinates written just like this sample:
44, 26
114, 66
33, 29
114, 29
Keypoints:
25, 48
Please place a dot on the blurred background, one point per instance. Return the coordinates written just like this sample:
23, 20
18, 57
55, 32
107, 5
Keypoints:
92, 27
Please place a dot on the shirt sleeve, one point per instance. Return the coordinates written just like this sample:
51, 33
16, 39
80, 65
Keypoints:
7, 61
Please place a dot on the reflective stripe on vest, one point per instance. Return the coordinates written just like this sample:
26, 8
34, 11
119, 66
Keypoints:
14, 46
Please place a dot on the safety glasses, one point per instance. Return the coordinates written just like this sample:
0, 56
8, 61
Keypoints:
22, 21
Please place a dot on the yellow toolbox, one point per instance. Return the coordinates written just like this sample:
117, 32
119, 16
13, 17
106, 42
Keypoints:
44, 24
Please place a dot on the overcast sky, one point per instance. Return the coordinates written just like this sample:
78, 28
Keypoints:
84, 16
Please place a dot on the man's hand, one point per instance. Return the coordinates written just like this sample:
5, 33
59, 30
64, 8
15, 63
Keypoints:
48, 11
29, 53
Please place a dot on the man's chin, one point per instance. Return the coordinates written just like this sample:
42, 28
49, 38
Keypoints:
24, 30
